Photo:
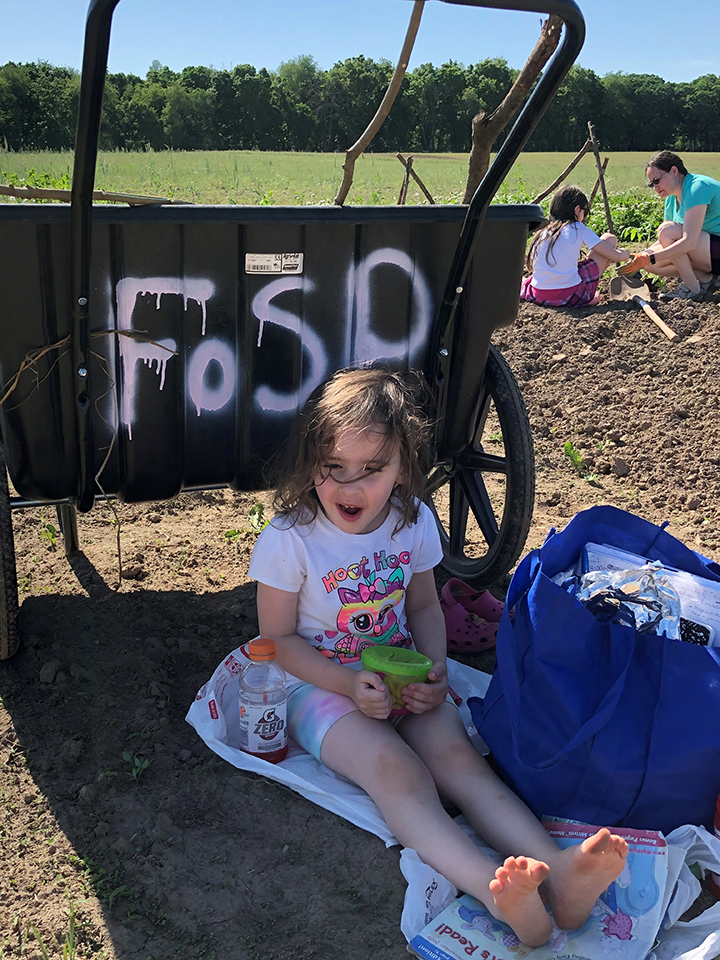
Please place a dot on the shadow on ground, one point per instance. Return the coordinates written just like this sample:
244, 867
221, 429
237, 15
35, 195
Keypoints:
187, 856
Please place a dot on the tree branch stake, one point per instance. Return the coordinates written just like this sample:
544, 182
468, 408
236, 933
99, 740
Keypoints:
571, 166
601, 177
415, 177
384, 109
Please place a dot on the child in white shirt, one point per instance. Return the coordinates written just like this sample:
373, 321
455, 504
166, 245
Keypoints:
557, 278
348, 563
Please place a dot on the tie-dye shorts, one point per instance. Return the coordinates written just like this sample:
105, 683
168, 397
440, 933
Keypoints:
311, 711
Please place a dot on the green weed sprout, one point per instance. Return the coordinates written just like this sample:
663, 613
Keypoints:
256, 518
574, 457
69, 950
136, 764
49, 532
256, 523
576, 460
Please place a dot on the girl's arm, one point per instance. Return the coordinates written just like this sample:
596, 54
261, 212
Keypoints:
427, 626
610, 252
277, 618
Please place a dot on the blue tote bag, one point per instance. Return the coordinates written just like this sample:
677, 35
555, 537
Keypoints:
594, 721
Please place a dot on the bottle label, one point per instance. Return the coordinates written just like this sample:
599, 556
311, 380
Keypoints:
263, 728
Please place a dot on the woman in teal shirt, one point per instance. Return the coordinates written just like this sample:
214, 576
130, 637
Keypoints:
688, 243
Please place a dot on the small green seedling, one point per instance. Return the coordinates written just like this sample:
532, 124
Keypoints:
69, 948
118, 893
574, 457
256, 518
48, 532
136, 764
256, 523
576, 460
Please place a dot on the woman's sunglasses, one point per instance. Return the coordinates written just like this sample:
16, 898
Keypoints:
655, 181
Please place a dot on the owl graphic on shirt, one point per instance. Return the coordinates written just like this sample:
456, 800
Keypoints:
366, 617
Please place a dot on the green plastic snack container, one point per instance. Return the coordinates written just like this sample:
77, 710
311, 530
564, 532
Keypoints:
398, 667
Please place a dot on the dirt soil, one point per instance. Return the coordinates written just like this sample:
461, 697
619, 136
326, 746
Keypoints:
120, 829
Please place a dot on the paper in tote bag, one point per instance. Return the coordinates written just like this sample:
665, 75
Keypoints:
594, 721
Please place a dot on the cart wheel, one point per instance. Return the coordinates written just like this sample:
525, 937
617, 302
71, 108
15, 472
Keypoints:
483, 499
9, 629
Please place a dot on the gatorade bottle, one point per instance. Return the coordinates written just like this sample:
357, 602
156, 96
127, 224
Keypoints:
263, 704
714, 878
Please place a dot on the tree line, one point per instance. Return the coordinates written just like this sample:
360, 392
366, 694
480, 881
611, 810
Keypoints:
301, 107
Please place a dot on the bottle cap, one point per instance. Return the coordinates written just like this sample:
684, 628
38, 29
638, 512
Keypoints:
261, 649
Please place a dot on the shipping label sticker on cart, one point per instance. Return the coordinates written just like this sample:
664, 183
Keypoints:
274, 262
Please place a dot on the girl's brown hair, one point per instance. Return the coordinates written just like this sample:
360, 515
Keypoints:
562, 211
392, 402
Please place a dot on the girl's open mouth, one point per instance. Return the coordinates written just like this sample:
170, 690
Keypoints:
348, 511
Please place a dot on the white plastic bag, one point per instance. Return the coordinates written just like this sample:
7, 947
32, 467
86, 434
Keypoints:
215, 716
428, 893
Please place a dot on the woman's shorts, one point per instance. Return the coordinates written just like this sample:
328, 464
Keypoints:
578, 296
714, 254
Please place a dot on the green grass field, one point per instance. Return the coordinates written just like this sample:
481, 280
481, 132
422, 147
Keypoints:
310, 178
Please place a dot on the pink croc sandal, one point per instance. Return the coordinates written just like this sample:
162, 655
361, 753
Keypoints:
481, 602
467, 632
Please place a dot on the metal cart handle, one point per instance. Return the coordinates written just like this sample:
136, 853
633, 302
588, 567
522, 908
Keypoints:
454, 434
95, 57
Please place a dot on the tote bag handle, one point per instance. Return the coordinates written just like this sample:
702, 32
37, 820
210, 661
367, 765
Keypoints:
508, 668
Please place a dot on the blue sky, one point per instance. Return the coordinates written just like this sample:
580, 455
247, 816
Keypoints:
632, 36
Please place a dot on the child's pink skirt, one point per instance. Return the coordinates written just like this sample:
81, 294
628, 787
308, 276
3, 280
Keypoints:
578, 296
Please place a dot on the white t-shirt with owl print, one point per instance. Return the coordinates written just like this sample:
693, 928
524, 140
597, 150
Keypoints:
350, 586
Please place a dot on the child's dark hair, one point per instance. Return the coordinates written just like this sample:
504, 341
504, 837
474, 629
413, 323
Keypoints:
392, 402
562, 211
666, 160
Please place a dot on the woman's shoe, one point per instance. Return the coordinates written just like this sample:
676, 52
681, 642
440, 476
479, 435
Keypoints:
683, 292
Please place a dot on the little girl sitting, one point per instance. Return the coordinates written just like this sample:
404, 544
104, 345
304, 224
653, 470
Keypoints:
558, 279
347, 563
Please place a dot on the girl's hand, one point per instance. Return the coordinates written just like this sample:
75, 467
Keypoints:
371, 695
421, 697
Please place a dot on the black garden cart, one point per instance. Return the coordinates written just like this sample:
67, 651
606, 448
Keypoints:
150, 350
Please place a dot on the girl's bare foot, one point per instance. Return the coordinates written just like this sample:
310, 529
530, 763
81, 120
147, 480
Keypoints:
517, 901
580, 874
